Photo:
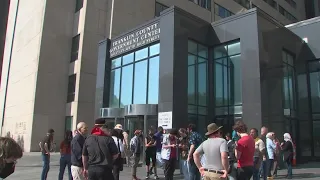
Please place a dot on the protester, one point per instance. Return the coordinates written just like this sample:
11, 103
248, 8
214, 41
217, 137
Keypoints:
76, 151
45, 146
258, 154
271, 149
169, 153
215, 150
159, 138
287, 148
183, 149
118, 163
231, 143
126, 144
65, 155
10, 152
99, 153
136, 149
195, 139
244, 152
263, 167
151, 150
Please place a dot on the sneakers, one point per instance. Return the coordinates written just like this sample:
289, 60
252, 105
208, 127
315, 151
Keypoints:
147, 177
156, 177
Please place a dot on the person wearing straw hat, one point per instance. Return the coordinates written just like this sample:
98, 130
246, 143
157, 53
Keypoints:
215, 150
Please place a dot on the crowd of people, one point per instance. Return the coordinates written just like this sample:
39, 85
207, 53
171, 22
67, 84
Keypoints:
102, 155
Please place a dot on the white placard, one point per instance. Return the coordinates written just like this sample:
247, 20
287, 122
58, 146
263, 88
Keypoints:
165, 120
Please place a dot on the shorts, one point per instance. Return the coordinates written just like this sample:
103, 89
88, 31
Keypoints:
152, 156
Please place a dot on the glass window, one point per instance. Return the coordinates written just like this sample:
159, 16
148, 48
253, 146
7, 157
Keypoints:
71, 88
79, 5
155, 49
127, 59
202, 84
153, 88
289, 93
191, 85
234, 49
126, 85
220, 51
219, 84
116, 63
68, 123
235, 80
75, 48
140, 82
141, 54
191, 59
228, 81
115, 88
192, 47
202, 51
130, 81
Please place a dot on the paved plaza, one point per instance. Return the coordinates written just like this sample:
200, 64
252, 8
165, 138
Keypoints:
30, 166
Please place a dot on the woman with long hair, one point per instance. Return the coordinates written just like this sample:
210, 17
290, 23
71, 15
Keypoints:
287, 148
65, 152
10, 152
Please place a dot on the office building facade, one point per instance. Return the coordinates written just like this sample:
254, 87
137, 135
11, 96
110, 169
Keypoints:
50, 56
179, 69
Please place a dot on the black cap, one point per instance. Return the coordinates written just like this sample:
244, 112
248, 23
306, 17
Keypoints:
99, 122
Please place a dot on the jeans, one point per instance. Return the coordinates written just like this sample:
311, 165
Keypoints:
194, 173
159, 159
256, 169
263, 170
184, 169
289, 167
169, 168
233, 174
135, 160
65, 161
269, 167
46, 166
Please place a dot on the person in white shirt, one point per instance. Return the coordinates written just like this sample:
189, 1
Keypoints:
271, 149
118, 164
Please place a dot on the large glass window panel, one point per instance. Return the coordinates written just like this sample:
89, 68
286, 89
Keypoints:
202, 84
315, 91
220, 51
316, 137
286, 94
219, 84
235, 80
234, 49
191, 85
115, 88
153, 88
126, 85
154, 49
141, 54
116, 63
202, 51
140, 82
191, 59
192, 47
225, 84
291, 87
127, 59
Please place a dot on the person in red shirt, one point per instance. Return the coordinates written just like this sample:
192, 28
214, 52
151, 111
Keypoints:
244, 152
65, 151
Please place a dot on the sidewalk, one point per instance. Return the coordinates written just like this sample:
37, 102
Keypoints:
30, 167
